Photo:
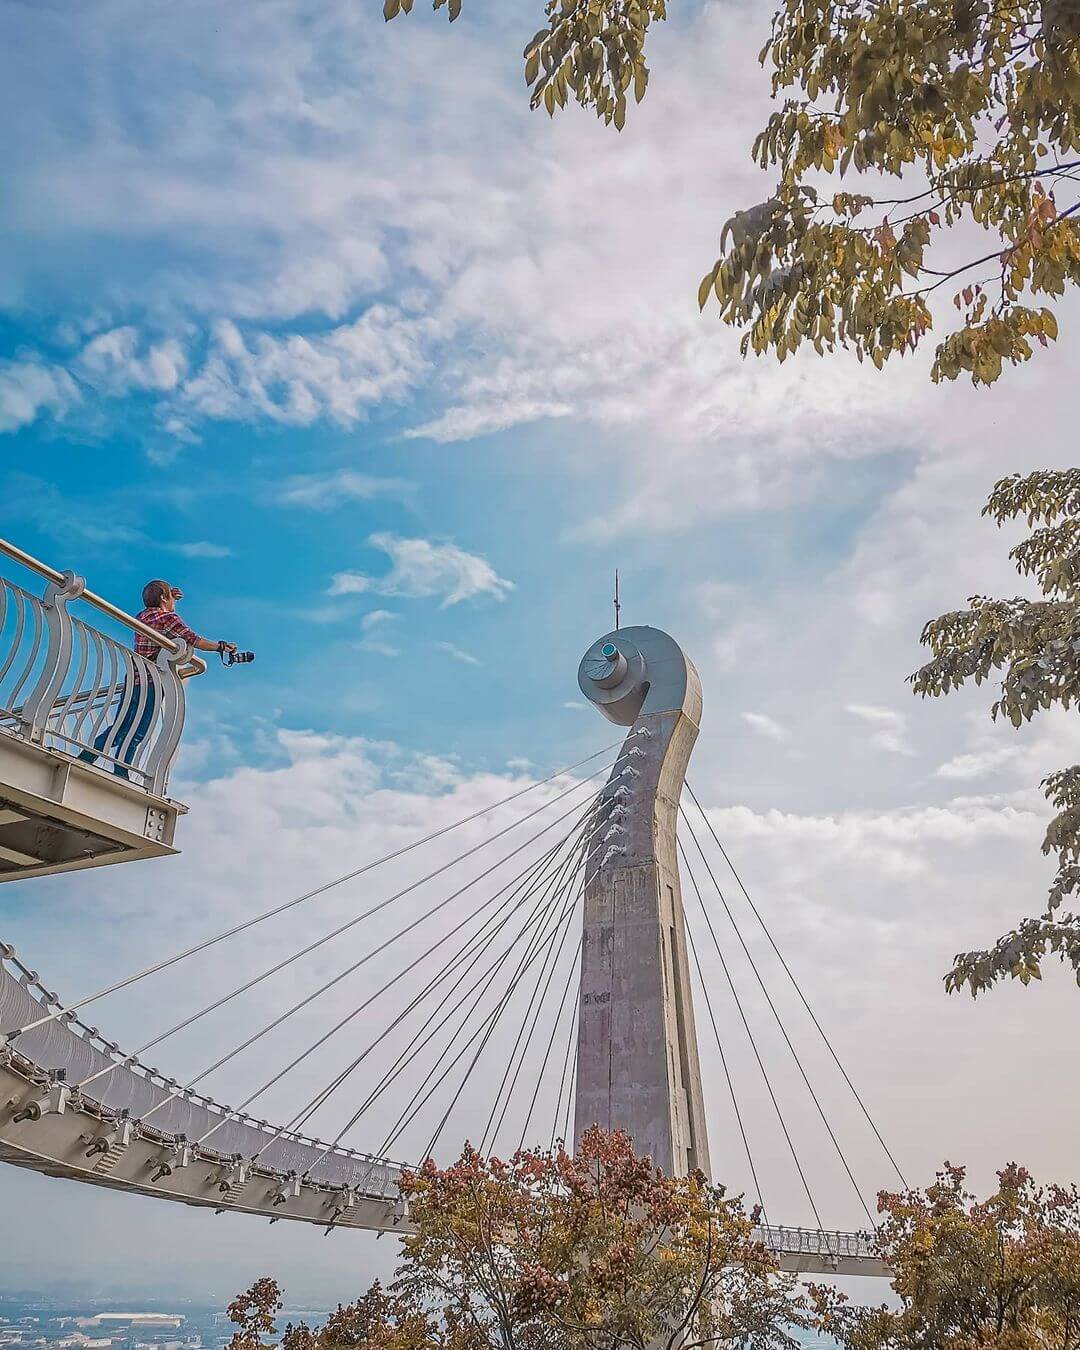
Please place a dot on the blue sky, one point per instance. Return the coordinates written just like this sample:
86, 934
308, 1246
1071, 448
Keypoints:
310, 315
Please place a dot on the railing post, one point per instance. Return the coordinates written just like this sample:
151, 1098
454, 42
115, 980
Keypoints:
36, 709
173, 709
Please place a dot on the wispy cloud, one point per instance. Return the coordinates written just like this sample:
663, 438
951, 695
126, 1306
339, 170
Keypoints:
122, 360
29, 389
27, 497
451, 649
889, 732
766, 726
199, 548
322, 492
371, 625
467, 423
964, 767
297, 380
423, 567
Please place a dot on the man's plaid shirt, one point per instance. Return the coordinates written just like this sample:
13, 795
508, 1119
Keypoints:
165, 621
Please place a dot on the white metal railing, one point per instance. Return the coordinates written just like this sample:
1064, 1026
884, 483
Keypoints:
815, 1241
68, 686
380, 1174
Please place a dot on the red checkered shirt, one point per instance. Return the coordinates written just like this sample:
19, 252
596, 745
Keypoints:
166, 621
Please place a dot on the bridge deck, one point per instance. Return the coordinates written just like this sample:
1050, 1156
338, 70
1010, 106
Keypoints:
100, 1137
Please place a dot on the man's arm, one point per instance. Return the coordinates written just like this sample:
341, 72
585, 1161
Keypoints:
174, 627
202, 644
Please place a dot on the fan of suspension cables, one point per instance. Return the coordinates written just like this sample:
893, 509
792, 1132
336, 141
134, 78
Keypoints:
452, 1001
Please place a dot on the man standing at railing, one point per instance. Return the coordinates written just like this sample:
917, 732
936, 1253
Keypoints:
139, 702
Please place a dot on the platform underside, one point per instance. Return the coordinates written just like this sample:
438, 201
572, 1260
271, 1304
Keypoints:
58, 814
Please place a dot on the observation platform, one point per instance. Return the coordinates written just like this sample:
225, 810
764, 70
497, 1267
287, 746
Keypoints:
69, 688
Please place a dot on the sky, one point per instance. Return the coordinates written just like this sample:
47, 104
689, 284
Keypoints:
313, 317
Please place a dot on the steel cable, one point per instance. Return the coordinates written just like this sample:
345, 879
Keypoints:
750, 1037
302, 1003
542, 912
727, 1073
780, 1023
308, 895
468, 953
798, 989
493, 1022
489, 1022
270, 1082
536, 1002
550, 1047
296, 956
570, 1045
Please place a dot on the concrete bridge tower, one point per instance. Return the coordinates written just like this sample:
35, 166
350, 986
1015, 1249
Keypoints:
637, 1065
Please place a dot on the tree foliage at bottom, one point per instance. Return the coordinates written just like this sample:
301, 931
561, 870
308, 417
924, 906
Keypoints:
597, 1251
1001, 1273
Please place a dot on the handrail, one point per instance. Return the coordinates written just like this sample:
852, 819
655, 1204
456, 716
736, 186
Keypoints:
98, 602
815, 1241
60, 676
35, 989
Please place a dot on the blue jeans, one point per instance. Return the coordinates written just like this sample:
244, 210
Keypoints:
131, 718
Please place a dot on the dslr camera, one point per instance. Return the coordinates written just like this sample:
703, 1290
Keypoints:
229, 658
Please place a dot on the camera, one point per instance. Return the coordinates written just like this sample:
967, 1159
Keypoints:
236, 658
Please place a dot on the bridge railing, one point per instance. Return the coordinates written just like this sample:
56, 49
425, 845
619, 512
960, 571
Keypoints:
815, 1241
68, 685
57, 1047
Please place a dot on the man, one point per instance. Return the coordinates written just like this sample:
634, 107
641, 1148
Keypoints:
130, 729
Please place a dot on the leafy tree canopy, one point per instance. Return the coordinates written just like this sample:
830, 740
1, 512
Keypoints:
1003, 1273
972, 105
598, 1252
590, 50
1035, 646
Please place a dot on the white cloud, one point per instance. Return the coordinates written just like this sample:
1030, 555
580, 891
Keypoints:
200, 548
467, 422
423, 567
30, 388
298, 379
963, 767
766, 726
889, 734
320, 492
735, 644
370, 626
451, 649
118, 362
513, 249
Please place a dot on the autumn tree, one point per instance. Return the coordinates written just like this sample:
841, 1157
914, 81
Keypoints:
1034, 644
599, 1251
971, 106
1003, 1272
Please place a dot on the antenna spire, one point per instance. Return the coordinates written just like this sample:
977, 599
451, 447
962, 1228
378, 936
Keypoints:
618, 606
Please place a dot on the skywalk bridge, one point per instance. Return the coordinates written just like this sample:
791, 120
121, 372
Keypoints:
562, 930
